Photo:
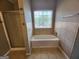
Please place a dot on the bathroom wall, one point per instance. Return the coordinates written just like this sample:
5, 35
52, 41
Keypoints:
28, 20
75, 51
66, 27
43, 5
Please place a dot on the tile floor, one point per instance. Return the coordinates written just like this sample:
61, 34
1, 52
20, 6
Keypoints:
38, 53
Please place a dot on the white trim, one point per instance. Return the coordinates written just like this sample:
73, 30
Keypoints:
66, 56
7, 53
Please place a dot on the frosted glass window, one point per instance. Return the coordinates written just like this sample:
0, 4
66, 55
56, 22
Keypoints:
43, 19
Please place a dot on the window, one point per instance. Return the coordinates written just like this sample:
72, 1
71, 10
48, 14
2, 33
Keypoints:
43, 19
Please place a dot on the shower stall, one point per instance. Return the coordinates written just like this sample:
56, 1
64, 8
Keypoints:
15, 29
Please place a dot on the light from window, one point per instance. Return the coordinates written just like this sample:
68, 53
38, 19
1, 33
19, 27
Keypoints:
43, 19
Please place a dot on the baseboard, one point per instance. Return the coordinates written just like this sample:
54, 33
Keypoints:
66, 56
45, 47
7, 53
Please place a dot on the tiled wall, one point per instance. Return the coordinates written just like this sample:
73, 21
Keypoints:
66, 27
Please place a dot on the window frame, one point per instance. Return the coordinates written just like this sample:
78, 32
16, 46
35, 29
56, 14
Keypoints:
51, 18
